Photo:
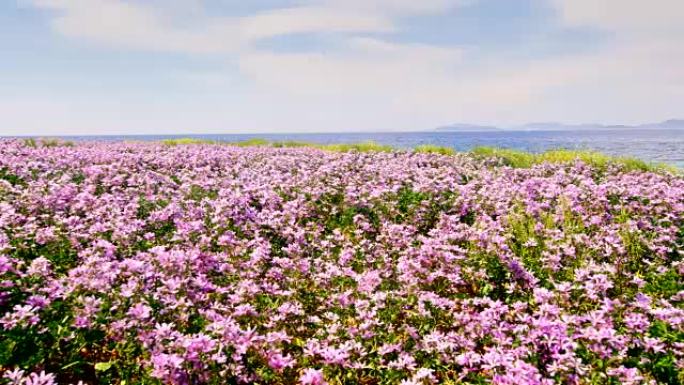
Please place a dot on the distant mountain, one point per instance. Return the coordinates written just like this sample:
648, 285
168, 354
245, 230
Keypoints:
467, 128
672, 123
554, 126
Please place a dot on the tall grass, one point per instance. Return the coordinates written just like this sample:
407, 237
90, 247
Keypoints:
432, 149
522, 159
251, 142
368, 146
293, 144
508, 157
47, 142
182, 141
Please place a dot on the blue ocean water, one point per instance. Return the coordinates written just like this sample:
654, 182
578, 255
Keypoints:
659, 145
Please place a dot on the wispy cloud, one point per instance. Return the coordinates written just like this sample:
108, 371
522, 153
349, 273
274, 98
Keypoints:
139, 25
370, 70
626, 17
311, 20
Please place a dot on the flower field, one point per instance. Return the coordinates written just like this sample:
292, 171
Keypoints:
144, 263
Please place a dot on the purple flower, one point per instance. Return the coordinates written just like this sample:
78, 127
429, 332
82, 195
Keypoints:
312, 376
265, 263
139, 311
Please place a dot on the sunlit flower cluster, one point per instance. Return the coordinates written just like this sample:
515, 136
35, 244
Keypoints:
212, 264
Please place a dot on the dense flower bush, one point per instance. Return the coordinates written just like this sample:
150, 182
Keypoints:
144, 263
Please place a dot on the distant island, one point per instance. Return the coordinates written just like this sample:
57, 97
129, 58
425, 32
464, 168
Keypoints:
554, 126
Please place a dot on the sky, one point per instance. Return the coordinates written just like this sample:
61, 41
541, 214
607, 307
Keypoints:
93, 67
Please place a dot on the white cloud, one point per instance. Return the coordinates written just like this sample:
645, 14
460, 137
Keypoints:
364, 65
373, 83
395, 7
411, 85
137, 26
626, 17
311, 19
141, 25
638, 74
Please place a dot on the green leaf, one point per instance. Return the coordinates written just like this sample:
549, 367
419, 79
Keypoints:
103, 366
67, 366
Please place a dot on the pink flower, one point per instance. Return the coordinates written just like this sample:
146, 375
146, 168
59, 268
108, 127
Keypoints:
312, 376
41, 378
140, 311
279, 362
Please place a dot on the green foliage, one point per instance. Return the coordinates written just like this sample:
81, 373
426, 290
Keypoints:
78, 178
409, 199
296, 144
186, 141
368, 146
30, 142
59, 251
522, 230
433, 149
197, 193
507, 157
665, 284
55, 142
145, 207
522, 159
13, 179
103, 366
47, 142
662, 365
251, 142
292, 144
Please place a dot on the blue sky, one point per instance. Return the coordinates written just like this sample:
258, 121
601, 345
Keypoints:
193, 66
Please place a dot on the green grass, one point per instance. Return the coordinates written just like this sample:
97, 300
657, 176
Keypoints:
432, 149
368, 146
293, 144
508, 157
251, 142
47, 142
244, 143
522, 159
182, 141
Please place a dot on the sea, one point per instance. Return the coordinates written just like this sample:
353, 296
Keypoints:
656, 145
